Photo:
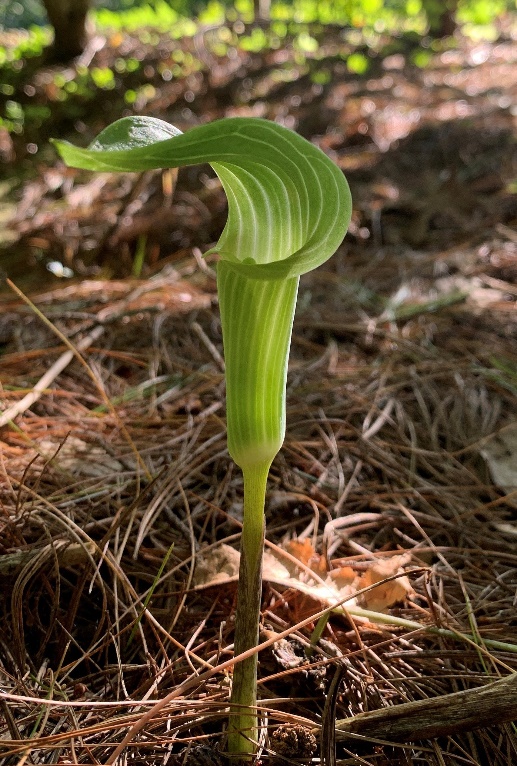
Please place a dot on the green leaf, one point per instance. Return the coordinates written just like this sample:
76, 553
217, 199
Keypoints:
289, 205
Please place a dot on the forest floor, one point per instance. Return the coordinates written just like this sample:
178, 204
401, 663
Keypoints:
120, 506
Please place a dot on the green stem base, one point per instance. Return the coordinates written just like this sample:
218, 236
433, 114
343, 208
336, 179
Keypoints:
243, 724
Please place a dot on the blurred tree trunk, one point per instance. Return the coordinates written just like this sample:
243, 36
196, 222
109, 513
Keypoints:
261, 9
441, 17
68, 17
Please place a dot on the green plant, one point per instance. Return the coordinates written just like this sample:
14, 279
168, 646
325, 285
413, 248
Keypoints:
289, 208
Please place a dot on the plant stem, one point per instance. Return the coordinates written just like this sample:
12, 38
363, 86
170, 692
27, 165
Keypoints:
242, 727
317, 633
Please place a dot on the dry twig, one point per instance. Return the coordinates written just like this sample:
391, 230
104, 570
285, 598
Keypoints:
464, 711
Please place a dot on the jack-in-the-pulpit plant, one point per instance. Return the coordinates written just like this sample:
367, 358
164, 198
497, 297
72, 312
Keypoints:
289, 208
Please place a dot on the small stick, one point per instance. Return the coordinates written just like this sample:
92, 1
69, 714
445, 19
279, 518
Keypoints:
49, 377
68, 555
462, 711
328, 730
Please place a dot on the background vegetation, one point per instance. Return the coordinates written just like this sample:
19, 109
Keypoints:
408, 13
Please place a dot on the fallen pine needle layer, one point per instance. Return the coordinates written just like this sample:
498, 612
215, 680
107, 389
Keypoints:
118, 494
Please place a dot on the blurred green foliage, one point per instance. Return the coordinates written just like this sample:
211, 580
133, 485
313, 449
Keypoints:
15, 14
300, 23
358, 13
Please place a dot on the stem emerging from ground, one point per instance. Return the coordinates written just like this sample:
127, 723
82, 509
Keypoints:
242, 727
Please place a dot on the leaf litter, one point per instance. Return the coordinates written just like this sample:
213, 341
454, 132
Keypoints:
397, 475
221, 565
